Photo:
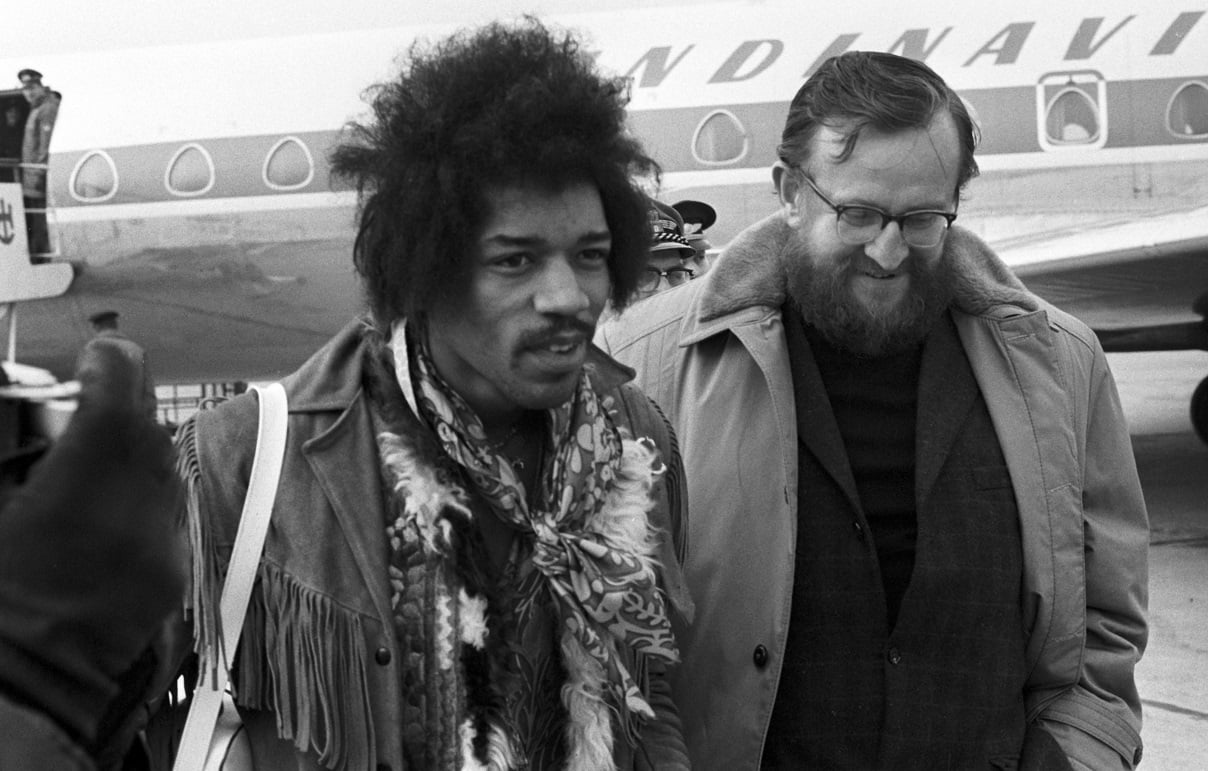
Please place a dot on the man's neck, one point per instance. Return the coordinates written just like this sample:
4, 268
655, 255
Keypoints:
521, 444
503, 431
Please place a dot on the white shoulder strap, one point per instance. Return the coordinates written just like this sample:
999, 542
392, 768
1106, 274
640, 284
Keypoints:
241, 574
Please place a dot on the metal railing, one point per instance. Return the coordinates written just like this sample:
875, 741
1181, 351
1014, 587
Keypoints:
176, 403
48, 212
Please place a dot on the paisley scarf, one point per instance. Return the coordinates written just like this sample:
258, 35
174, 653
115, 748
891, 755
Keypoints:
601, 593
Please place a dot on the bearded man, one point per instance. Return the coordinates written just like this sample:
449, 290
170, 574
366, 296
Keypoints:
918, 537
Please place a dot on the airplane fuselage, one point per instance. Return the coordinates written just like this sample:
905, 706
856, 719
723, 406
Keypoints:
205, 214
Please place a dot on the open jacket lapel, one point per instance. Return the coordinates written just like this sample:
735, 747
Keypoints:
946, 392
342, 453
359, 510
817, 428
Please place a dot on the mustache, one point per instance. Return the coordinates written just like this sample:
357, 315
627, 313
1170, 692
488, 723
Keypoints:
912, 265
558, 328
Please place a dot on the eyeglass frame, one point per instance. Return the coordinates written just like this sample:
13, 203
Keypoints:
665, 274
886, 218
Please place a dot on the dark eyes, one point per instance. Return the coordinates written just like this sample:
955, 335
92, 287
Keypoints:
517, 262
858, 216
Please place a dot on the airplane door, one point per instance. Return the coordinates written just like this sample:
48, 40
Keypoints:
1071, 110
21, 279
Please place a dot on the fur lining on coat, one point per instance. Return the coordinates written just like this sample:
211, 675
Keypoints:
751, 272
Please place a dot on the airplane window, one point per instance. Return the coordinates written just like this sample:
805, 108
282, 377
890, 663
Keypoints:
720, 138
190, 172
1187, 116
94, 178
1072, 118
288, 165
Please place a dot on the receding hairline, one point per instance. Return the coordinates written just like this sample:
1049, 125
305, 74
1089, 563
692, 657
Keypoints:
842, 145
843, 127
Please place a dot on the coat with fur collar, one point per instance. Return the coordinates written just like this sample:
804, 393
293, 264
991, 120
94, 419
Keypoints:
713, 354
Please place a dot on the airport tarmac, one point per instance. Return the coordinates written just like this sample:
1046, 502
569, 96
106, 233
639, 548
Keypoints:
1155, 389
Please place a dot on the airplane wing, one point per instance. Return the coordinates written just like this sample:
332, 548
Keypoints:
243, 311
1140, 284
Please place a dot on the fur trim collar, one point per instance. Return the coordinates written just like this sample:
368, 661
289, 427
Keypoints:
751, 272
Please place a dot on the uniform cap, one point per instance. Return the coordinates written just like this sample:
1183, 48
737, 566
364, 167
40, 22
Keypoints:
667, 228
697, 215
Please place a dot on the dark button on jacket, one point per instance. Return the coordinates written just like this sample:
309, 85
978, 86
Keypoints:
760, 657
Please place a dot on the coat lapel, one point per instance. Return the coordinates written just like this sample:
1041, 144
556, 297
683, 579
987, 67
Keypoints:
947, 391
816, 426
342, 459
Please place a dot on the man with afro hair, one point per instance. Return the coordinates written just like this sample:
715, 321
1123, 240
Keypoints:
473, 556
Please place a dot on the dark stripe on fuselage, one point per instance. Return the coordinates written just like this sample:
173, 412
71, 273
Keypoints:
1136, 109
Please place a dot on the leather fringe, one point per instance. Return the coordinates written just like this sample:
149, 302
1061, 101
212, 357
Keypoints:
302, 657
322, 703
205, 587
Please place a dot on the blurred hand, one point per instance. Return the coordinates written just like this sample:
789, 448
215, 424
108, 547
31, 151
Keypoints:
91, 560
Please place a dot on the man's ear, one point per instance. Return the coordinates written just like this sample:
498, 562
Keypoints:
788, 189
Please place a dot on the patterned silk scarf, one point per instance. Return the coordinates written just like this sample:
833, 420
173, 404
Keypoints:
600, 591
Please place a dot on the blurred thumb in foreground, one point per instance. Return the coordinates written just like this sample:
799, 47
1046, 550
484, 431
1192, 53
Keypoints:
92, 566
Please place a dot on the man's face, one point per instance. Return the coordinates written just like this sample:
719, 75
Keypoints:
32, 89
884, 295
700, 254
665, 260
516, 338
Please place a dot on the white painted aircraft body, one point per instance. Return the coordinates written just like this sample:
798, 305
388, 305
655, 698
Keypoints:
190, 188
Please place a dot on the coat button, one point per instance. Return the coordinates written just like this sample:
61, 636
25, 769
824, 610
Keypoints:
859, 530
382, 656
760, 656
895, 656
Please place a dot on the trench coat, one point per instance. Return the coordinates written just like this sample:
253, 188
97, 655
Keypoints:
712, 353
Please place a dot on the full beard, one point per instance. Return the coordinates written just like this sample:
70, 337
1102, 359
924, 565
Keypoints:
824, 297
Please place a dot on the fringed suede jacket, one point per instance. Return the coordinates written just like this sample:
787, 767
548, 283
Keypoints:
713, 355
322, 678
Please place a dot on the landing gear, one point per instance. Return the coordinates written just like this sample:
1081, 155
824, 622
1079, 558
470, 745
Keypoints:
1199, 410
1180, 336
